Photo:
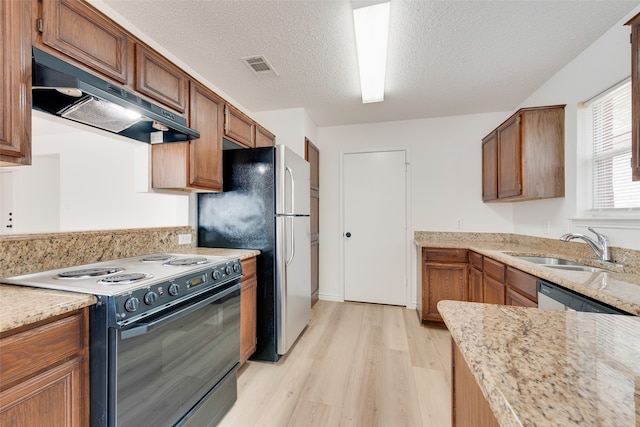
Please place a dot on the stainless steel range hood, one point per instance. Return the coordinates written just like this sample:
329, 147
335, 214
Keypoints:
66, 91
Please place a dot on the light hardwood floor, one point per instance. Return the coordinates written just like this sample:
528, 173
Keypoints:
355, 365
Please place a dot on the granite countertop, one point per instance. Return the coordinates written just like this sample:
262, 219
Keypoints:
21, 305
620, 288
550, 368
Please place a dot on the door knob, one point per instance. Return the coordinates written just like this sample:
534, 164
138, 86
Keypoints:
348, 234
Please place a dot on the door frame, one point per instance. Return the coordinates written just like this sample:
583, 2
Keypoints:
410, 292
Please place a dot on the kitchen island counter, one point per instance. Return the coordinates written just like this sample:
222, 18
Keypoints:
550, 368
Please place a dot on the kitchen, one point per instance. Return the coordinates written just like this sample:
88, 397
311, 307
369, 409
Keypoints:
545, 218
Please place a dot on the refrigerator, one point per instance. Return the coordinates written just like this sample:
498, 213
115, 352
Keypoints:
265, 205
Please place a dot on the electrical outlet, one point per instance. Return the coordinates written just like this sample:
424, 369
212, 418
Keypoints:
460, 224
184, 239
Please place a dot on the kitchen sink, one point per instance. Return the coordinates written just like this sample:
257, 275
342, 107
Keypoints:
560, 263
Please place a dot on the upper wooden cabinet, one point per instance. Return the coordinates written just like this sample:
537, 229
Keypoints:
74, 28
528, 153
195, 165
635, 96
490, 167
160, 79
264, 138
15, 83
238, 127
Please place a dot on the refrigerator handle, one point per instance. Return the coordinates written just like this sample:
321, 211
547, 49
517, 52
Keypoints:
293, 190
292, 241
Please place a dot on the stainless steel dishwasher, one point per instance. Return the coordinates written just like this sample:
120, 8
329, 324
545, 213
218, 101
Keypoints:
552, 296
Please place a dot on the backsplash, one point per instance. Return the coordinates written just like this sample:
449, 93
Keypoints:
29, 253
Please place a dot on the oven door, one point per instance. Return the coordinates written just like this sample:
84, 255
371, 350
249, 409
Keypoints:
168, 366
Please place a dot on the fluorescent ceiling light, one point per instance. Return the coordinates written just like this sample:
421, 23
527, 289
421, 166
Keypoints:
372, 32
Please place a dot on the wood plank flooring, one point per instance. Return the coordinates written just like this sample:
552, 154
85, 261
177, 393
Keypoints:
355, 365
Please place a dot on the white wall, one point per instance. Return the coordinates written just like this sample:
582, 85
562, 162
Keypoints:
291, 126
606, 62
445, 181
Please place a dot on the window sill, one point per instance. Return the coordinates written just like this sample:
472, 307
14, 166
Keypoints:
619, 222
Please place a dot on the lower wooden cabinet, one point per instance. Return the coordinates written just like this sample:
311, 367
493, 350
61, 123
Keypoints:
44, 373
444, 277
469, 407
494, 277
522, 288
475, 277
248, 314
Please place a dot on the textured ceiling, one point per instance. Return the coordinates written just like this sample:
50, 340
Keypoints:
445, 57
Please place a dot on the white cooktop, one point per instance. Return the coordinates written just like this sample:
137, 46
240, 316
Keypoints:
152, 267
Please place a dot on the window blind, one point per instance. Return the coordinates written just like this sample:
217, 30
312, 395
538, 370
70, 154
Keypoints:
612, 184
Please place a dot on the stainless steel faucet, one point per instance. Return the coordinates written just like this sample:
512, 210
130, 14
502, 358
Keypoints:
601, 247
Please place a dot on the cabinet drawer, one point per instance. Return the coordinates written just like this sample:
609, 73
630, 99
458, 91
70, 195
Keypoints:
524, 283
494, 269
475, 260
25, 353
248, 268
445, 255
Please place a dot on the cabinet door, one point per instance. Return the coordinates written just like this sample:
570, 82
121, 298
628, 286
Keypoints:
264, 138
493, 291
15, 83
490, 167
51, 398
205, 153
80, 32
248, 309
238, 127
442, 282
514, 298
160, 79
635, 97
509, 159
475, 285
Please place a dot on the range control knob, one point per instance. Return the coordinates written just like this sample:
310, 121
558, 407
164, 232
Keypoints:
236, 268
217, 275
132, 304
228, 269
150, 297
174, 289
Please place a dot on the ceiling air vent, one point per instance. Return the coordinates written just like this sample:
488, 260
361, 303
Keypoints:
259, 65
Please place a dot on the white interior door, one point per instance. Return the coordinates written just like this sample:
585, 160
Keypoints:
374, 232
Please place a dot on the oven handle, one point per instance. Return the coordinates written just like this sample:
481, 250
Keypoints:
152, 326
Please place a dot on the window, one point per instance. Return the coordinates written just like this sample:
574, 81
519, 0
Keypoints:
613, 189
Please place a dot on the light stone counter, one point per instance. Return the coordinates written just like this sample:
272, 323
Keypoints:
550, 368
20, 305
620, 289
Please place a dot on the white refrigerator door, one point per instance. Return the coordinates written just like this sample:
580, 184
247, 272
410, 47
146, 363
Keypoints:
293, 279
